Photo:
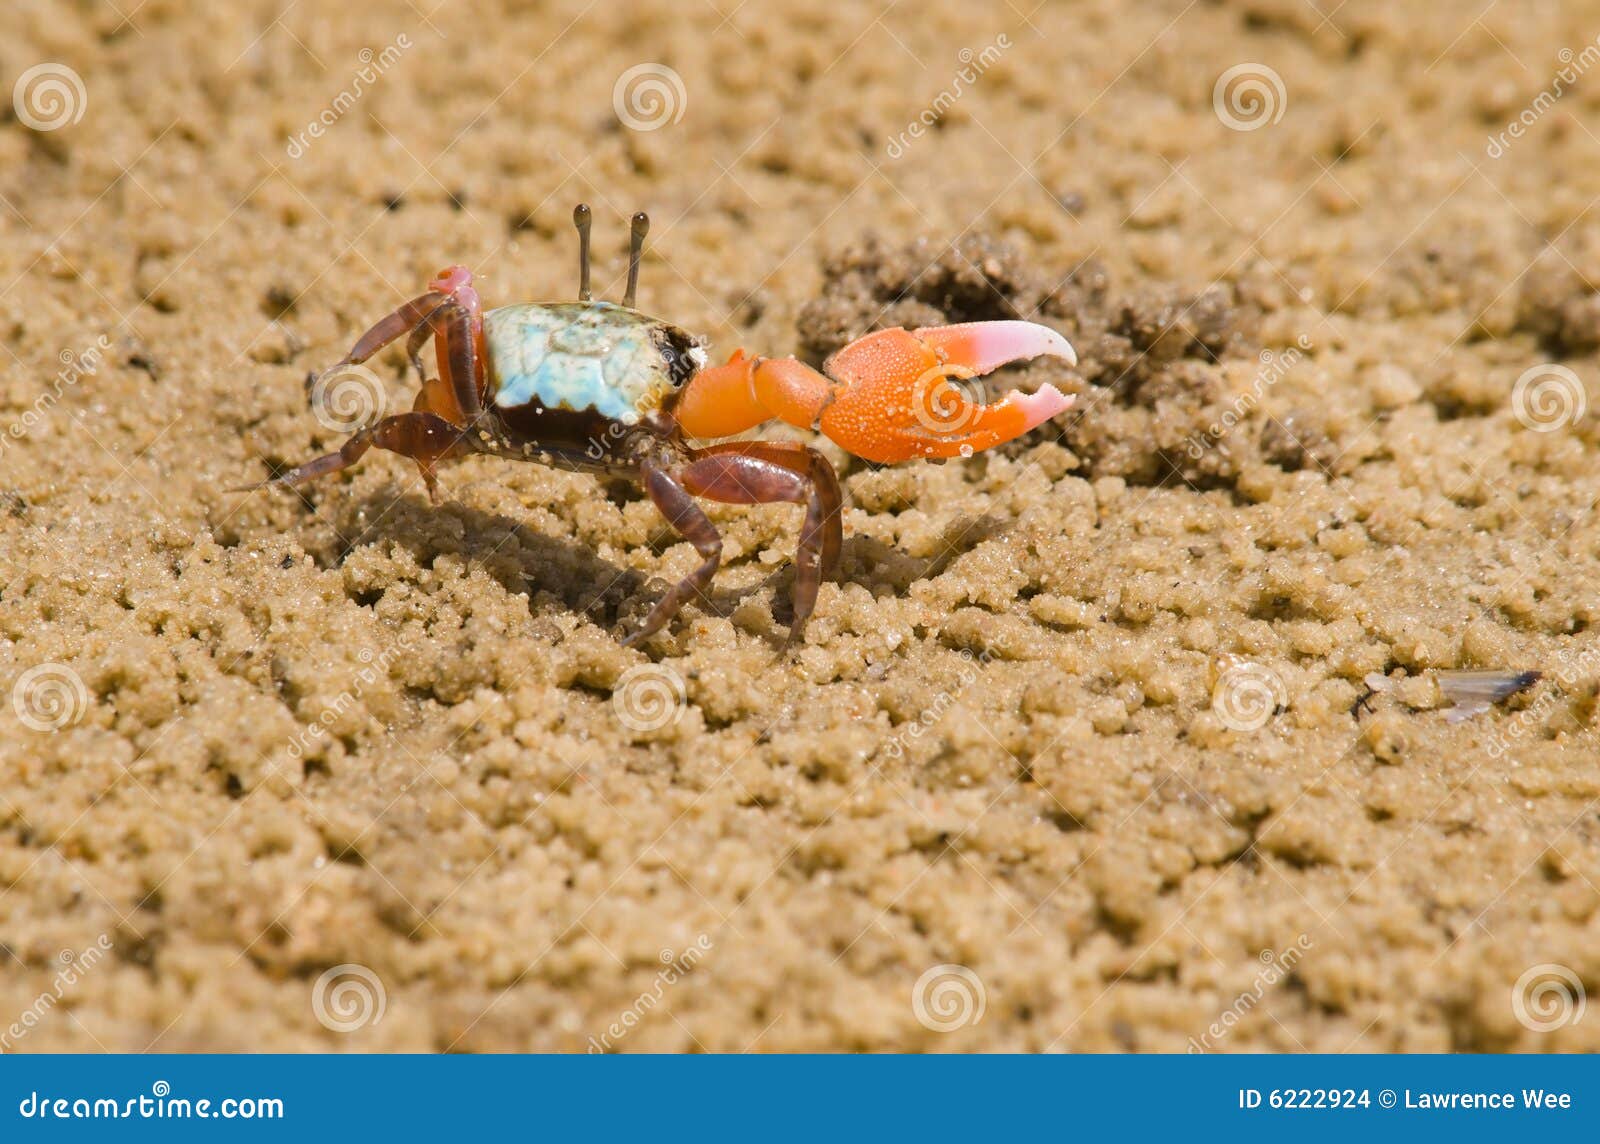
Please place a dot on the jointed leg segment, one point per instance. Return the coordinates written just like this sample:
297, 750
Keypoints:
750, 472
425, 437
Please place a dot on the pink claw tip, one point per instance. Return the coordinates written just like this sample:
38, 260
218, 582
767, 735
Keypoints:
985, 346
1039, 407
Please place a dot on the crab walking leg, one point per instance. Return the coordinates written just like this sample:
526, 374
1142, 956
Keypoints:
887, 396
765, 472
425, 329
392, 326
458, 341
424, 437
438, 393
456, 393
673, 501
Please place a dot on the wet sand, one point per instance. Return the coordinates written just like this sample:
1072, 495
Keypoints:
1081, 750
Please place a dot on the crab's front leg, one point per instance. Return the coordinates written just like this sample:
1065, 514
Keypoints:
893, 395
747, 472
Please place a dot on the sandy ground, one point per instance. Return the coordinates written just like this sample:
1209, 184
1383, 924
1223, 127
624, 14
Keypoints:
1072, 756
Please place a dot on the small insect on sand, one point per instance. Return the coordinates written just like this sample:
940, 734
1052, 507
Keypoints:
602, 388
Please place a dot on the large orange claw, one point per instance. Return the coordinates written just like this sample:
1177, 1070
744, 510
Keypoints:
907, 395
893, 395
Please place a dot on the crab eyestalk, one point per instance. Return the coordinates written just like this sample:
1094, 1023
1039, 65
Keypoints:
639, 227
894, 395
582, 218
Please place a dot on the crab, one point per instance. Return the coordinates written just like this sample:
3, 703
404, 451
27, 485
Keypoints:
602, 388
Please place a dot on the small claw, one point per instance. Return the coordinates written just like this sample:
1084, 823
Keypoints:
905, 395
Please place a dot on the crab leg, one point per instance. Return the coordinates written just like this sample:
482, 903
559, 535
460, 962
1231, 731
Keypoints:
424, 437
392, 326
459, 347
893, 395
748, 472
764, 472
457, 328
677, 505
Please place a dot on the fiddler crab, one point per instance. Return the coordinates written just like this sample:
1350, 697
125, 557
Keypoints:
605, 389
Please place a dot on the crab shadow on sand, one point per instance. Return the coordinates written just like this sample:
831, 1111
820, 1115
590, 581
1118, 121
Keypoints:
614, 597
